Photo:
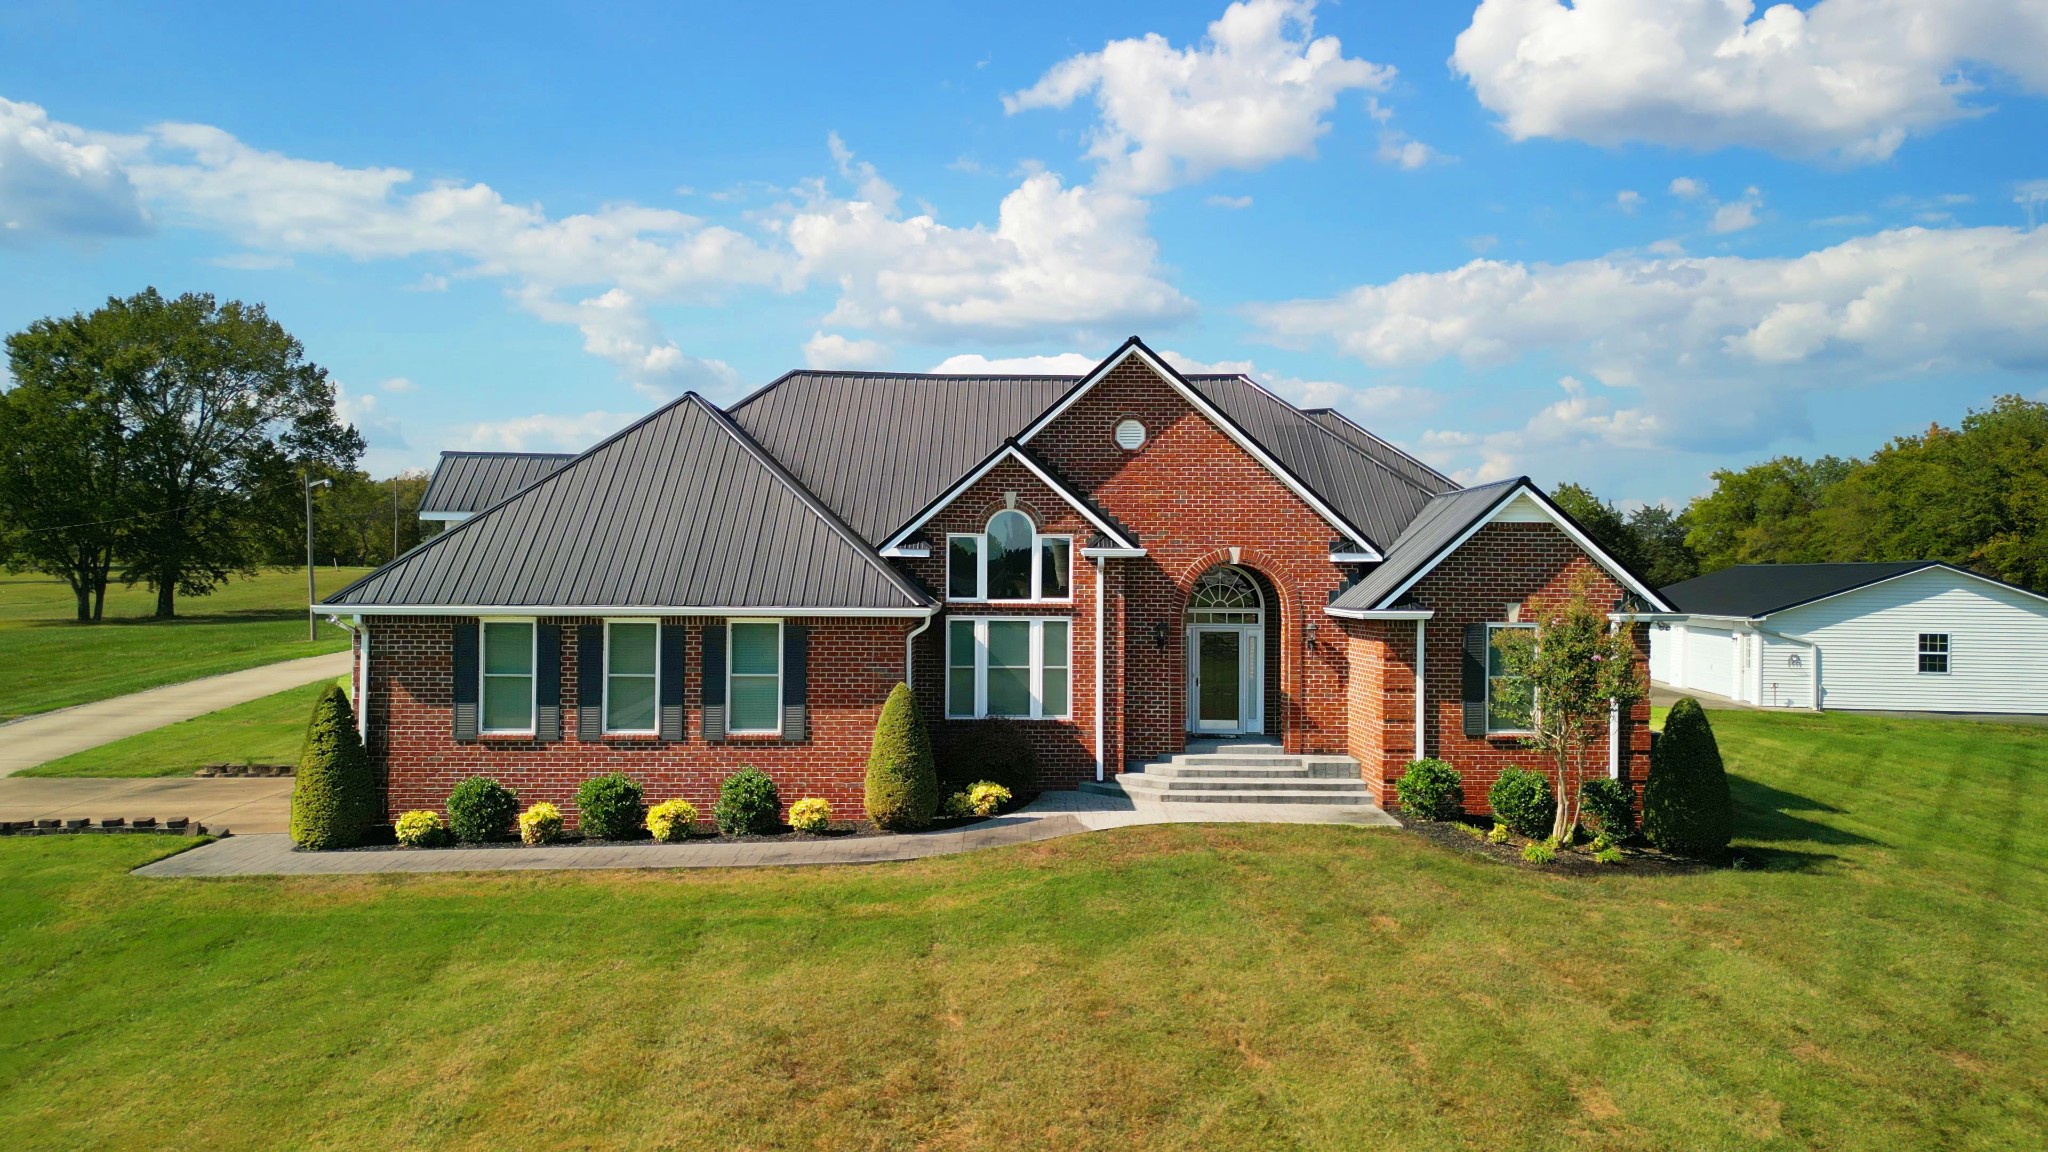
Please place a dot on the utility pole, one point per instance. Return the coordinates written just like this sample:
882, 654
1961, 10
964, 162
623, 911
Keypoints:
312, 597
394, 517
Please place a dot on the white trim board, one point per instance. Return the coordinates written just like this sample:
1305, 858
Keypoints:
1200, 404
547, 610
1008, 452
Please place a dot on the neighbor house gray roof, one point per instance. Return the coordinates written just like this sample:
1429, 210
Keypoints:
469, 482
1439, 524
679, 511
1761, 589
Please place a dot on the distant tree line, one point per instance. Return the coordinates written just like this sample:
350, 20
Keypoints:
353, 520
162, 442
1975, 496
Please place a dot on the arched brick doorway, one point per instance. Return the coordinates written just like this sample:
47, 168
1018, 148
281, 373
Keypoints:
1232, 643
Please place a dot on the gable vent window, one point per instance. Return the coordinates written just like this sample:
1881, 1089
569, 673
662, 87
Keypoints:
1934, 653
1130, 435
1010, 561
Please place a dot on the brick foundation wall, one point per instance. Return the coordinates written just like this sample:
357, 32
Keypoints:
852, 666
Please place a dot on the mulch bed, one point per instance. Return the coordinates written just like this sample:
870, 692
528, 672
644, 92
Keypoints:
381, 837
1637, 859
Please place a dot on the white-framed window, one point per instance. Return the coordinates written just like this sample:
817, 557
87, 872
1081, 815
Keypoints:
753, 678
506, 666
1510, 699
1934, 653
1010, 561
1021, 667
632, 669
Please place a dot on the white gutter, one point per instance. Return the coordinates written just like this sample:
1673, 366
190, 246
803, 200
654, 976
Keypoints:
1381, 613
1101, 577
910, 653
360, 610
1421, 686
361, 683
1112, 553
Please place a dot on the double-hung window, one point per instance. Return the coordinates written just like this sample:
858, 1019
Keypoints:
753, 678
632, 663
507, 677
1934, 653
1510, 699
1019, 667
1009, 561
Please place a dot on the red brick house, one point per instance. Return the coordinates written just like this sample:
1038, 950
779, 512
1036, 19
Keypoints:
1125, 562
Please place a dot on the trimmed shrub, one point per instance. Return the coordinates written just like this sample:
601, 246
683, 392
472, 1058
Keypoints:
541, 824
611, 807
670, 820
747, 804
1430, 790
957, 807
810, 814
480, 810
1686, 807
334, 796
1607, 855
1499, 835
1522, 801
421, 828
1539, 852
1472, 830
1607, 803
987, 798
996, 750
902, 791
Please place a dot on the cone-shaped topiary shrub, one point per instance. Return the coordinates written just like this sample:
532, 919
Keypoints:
335, 795
1430, 790
748, 804
1522, 800
996, 750
902, 783
481, 810
1686, 808
611, 807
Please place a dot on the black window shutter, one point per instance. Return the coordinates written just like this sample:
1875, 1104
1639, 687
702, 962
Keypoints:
462, 644
547, 685
670, 690
796, 640
714, 682
589, 682
1475, 679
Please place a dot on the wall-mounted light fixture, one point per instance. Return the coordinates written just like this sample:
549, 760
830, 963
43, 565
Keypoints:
1311, 633
1159, 635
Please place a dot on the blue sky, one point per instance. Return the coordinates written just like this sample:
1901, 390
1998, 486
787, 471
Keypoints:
1624, 243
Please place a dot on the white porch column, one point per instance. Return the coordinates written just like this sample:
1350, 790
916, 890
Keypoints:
1421, 688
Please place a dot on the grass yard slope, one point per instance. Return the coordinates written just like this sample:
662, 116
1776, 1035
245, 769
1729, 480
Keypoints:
48, 660
1882, 984
269, 730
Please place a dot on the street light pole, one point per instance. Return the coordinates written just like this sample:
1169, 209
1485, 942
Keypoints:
312, 597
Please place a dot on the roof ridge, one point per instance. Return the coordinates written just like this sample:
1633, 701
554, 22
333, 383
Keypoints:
1351, 448
1380, 440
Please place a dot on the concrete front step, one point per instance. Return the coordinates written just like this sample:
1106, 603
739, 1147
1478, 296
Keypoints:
1133, 789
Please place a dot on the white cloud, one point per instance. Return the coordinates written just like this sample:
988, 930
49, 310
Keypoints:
1403, 151
1254, 92
1852, 78
1232, 202
1728, 342
1304, 393
1685, 188
252, 261
2033, 196
379, 428
1738, 215
617, 329
542, 433
56, 179
399, 384
974, 364
1578, 424
830, 350
1628, 200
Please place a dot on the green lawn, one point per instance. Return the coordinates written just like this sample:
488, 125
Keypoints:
265, 731
1883, 984
47, 660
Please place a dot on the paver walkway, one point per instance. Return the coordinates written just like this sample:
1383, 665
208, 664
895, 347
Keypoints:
262, 805
1052, 815
34, 740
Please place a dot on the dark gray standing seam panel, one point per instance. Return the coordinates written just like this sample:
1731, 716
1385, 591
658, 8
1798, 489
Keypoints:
795, 682
473, 481
670, 689
589, 681
1473, 677
547, 686
462, 645
714, 681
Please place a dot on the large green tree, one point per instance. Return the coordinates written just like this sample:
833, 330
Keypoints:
217, 412
1769, 513
1660, 543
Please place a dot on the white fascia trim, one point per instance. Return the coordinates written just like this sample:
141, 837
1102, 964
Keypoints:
1352, 557
1941, 564
1215, 417
1381, 613
1584, 542
450, 517
909, 552
1647, 617
630, 610
951, 494
1112, 553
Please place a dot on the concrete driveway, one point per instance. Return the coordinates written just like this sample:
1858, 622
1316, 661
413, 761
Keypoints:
252, 806
33, 740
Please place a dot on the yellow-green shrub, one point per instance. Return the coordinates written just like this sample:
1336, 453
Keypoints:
541, 824
986, 798
810, 814
420, 828
957, 807
670, 820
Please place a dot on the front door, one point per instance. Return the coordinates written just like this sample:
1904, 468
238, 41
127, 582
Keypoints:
1225, 690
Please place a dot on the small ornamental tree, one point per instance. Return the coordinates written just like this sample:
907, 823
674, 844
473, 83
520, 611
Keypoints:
1686, 806
334, 796
1577, 667
902, 793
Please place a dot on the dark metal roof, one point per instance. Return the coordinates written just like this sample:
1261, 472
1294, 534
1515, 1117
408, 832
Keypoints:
1355, 434
1761, 589
877, 447
1373, 496
680, 510
1442, 520
473, 481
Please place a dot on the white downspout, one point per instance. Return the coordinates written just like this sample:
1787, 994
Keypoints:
1421, 688
910, 652
1613, 725
1101, 577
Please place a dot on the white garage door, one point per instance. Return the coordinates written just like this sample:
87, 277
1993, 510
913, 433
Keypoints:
1710, 662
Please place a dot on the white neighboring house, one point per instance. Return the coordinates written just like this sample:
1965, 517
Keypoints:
1914, 636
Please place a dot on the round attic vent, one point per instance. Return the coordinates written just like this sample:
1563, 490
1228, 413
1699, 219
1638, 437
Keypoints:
1130, 435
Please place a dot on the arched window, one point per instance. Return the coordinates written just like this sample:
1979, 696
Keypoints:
1010, 560
1009, 555
1225, 596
